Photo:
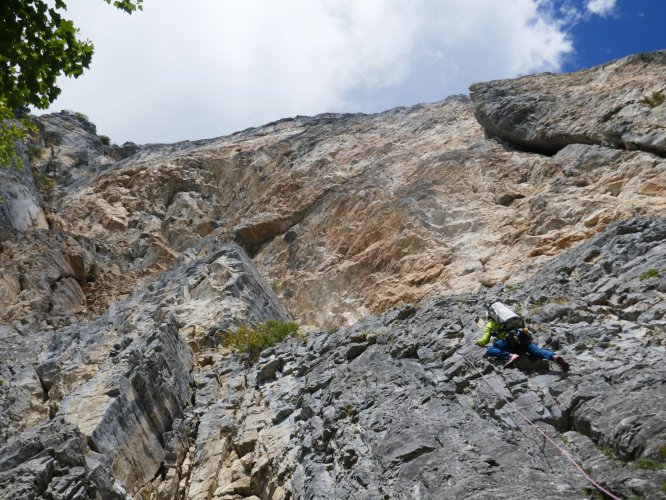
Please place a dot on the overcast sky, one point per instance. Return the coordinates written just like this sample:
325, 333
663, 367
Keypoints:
204, 68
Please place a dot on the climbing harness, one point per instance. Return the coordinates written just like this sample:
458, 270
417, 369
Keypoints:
564, 452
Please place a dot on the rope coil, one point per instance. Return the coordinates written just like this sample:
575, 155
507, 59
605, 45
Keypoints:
562, 450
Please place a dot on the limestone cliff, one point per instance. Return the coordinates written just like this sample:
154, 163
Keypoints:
123, 268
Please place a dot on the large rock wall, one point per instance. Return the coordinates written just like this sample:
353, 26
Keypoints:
390, 408
115, 381
20, 201
123, 384
352, 214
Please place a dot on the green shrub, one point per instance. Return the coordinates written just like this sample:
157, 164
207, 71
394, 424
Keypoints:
252, 340
607, 451
656, 99
106, 140
650, 273
81, 116
12, 130
663, 488
648, 464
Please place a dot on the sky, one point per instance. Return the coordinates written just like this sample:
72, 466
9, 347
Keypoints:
207, 68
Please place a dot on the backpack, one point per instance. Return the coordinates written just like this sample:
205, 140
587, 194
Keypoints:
503, 315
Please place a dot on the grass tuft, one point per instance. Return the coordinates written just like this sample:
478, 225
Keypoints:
650, 273
251, 341
647, 464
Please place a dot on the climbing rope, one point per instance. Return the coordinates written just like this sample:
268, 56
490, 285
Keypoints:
564, 452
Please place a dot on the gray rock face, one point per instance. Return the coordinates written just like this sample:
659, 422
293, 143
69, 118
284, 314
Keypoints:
21, 206
596, 106
122, 385
390, 408
348, 215
70, 150
115, 376
53, 461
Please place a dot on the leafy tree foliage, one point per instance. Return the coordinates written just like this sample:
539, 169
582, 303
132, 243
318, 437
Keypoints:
37, 44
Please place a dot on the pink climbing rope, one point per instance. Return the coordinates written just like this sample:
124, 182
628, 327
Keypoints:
560, 448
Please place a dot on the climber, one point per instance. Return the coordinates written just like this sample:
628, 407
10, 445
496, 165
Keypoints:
513, 338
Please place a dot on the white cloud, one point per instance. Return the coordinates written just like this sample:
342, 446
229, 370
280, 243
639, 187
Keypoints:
188, 71
601, 7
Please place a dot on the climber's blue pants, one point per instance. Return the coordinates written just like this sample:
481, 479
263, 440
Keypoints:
500, 350
537, 352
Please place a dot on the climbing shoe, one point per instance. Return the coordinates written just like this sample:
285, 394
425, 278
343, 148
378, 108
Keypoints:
512, 359
560, 361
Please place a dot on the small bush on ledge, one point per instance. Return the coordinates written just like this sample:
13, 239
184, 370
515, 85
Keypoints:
252, 340
648, 464
650, 273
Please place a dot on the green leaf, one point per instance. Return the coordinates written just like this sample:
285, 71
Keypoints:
37, 45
